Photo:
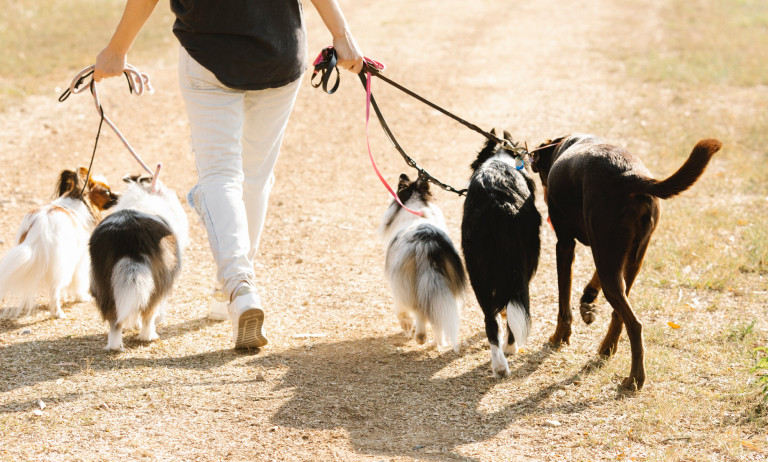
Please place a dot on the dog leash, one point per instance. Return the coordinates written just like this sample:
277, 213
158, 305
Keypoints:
138, 82
325, 65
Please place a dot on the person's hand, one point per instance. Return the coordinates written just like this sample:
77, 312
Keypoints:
108, 64
348, 53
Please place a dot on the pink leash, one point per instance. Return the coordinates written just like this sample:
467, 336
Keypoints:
379, 66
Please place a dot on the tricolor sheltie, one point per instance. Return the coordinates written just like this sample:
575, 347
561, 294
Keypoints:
51, 246
136, 257
501, 244
423, 266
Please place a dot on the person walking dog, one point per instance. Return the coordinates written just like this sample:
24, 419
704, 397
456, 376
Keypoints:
240, 64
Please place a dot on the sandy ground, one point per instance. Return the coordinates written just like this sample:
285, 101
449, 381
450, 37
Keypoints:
337, 381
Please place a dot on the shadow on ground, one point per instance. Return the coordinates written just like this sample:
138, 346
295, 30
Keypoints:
370, 387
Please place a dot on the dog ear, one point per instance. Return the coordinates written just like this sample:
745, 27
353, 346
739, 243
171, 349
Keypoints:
541, 157
403, 182
423, 187
507, 136
68, 182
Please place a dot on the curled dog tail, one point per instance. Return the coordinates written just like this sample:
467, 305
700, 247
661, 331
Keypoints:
519, 322
686, 175
132, 285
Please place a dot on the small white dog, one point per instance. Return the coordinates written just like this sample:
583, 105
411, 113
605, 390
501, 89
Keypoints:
136, 257
51, 246
423, 267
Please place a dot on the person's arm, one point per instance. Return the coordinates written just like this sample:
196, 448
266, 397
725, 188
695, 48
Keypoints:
110, 62
349, 55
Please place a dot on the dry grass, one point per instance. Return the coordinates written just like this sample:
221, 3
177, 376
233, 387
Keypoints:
48, 38
338, 382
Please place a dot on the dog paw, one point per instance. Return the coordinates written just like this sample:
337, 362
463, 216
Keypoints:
501, 372
406, 324
588, 312
510, 349
115, 348
631, 384
421, 338
59, 314
499, 364
148, 337
556, 341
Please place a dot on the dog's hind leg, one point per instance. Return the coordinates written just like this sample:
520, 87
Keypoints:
54, 302
499, 365
115, 337
420, 328
148, 331
564, 254
612, 276
587, 305
78, 289
510, 345
405, 318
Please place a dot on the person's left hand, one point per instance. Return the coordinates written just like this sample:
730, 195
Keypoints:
348, 53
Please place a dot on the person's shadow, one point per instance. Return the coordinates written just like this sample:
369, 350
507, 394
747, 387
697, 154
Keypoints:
403, 403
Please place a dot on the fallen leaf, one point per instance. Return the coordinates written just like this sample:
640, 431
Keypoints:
673, 325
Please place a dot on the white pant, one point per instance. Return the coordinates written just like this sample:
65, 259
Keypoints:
236, 137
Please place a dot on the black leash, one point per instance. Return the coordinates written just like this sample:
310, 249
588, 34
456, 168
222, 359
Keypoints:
325, 65
64, 97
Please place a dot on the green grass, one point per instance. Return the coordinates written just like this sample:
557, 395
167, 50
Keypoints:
45, 41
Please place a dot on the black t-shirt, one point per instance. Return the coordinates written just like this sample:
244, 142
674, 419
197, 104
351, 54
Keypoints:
247, 44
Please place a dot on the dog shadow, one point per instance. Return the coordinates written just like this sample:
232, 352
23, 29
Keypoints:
49, 360
371, 387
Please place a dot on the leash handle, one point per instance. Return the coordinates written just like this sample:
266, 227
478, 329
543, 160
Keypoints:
138, 83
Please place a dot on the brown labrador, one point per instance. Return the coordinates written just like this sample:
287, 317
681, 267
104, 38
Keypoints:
604, 197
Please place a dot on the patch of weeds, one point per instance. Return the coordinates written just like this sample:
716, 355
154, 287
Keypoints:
742, 331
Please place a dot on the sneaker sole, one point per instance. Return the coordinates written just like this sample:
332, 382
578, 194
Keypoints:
249, 330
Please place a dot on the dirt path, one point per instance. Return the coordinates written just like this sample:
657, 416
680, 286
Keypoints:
338, 381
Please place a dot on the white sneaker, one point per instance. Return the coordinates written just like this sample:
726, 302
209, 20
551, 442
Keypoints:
217, 310
247, 319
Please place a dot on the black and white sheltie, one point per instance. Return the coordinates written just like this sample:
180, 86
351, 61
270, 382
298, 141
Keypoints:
51, 247
501, 244
136, 257
423, 266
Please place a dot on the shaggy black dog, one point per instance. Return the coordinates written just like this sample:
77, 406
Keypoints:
501, 243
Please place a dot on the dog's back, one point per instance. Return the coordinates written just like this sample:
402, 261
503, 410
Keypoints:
135, 258
500, 234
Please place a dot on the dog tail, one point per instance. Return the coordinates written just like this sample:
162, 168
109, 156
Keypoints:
686, 175
519, 322
132, 284
16, 275
440, 285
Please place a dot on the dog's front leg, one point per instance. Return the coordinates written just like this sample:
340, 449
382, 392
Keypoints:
564, 253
